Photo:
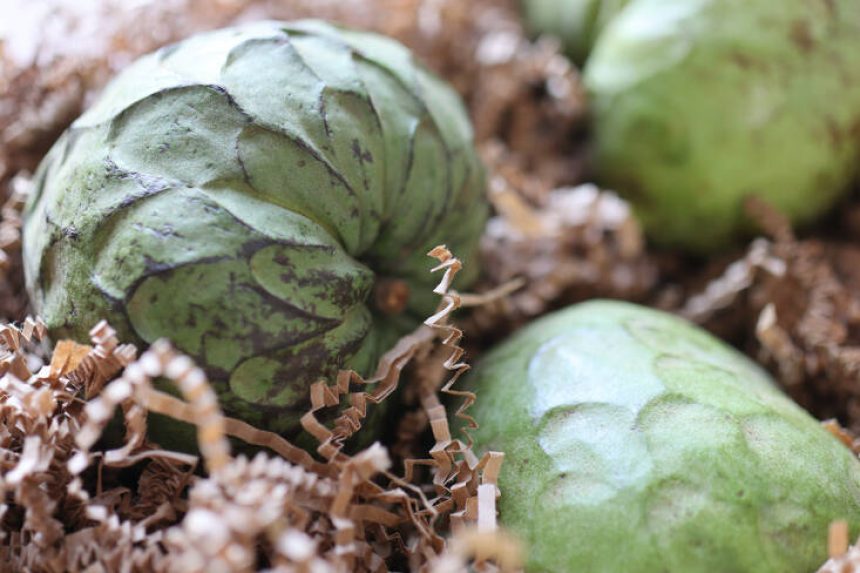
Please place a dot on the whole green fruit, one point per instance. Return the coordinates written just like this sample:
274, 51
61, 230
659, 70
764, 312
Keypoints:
248, 193
637, 442
700, 103
576, 23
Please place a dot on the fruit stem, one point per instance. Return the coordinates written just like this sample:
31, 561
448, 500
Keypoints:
391, 295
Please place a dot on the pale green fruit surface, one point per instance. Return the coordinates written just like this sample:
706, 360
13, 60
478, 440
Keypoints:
637, 442
575, 23
242, 192
699, 103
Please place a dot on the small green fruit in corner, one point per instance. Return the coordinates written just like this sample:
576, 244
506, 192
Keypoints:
637, 442
249, 193
698, 104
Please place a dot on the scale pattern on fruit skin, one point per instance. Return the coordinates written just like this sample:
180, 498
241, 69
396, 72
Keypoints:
240, 192
636, 442
698, 104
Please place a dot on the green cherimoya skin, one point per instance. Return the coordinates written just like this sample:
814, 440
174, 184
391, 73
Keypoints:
637, 442
244, 193
699, 104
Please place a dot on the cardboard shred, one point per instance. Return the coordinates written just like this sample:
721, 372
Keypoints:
798, 305
580, 242
347, 513
843, 559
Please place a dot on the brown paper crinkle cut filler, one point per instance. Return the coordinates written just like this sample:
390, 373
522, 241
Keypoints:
346, 513
581, 242
797, 300
843, 558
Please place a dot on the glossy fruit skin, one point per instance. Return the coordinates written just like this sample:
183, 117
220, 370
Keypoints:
699, 103
242, 192
637, 442
575, 23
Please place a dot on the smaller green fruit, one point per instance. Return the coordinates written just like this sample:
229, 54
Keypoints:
698, 104
636, 442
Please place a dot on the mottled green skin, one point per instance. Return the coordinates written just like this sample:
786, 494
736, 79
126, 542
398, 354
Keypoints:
636, 442
699, 103
576, 23
241, 192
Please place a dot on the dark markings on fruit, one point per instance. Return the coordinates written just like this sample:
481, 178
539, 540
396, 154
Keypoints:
154, 267
149, 185
262, 341
339, 290
854, 130
245, 176
361, 156
742, 60
304, 146
802, 36
323, 111
840, 137
301, 369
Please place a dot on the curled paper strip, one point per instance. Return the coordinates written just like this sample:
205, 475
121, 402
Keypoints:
345, 513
